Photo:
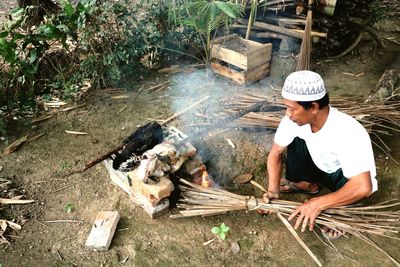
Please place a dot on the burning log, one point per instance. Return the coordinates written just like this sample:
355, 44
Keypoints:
164, 158
144, 138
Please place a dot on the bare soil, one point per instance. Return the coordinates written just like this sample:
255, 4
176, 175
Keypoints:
40, 170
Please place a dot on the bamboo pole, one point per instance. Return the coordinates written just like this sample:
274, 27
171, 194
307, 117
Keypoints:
294, 233
176, 115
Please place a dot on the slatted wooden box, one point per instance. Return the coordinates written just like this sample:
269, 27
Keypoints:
241, 60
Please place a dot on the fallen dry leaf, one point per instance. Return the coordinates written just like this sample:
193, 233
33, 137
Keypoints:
243, 178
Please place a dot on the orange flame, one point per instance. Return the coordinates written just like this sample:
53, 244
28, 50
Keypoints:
205, 180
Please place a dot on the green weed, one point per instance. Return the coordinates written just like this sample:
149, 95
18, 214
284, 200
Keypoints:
65, 166
221, 231
69, 208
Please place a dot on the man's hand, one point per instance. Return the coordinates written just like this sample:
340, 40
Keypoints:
307, 213
267, 198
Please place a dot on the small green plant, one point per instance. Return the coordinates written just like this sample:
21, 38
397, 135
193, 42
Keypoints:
69, 208
221, 231
204, 17
65, 166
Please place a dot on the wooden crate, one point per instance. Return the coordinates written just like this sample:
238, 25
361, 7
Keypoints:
249, 60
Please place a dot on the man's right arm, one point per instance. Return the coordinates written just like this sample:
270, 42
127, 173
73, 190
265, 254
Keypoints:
274, 167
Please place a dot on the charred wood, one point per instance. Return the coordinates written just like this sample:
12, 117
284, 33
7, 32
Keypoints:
143, 139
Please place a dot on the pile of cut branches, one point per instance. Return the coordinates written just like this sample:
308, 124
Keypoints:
377, 117
359, 221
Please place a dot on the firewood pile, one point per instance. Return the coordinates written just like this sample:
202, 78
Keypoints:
337, 25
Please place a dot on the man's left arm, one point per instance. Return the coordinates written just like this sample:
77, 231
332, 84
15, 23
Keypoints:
357, 188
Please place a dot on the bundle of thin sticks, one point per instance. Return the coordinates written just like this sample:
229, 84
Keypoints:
375, 220
378, 118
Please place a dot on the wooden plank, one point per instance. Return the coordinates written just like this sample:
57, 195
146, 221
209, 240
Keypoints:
259, 57
222, 39
274, 28
103, 230
263, 34
252, 44
244, 77
256, 74
227, 72
313, 34
229, 56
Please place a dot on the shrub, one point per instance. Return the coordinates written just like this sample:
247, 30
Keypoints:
107, 43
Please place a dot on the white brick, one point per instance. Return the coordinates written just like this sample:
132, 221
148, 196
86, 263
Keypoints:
103, 230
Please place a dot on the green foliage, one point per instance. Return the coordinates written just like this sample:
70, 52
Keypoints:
221, 231
65, 166
380, 11
124, 40
205, 17
23, 49
69, 207
108, 43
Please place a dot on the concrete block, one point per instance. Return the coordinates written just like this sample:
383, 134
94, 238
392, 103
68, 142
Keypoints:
103, 230
154, 212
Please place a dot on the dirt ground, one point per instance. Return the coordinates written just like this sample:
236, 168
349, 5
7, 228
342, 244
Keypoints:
39, 171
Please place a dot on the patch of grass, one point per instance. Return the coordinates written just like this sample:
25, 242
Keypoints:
69, 208
65, 166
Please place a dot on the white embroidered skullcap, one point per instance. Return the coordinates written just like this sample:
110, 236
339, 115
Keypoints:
303, 85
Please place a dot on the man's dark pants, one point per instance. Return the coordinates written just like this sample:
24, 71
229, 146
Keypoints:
300, 167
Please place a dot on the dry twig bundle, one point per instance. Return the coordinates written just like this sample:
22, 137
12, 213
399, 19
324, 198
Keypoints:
378, 118
358, 221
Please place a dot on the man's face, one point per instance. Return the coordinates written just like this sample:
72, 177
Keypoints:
297, 113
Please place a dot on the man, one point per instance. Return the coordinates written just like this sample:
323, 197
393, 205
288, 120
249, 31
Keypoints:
324, 146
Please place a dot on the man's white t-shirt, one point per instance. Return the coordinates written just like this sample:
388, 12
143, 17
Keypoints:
342, 142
